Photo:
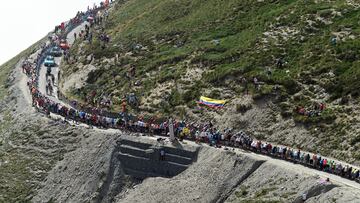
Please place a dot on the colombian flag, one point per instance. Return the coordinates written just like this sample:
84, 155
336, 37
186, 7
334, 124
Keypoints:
213, 103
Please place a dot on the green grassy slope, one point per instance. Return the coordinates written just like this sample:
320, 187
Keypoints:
177, 31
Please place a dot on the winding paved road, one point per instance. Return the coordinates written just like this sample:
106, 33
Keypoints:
55, 70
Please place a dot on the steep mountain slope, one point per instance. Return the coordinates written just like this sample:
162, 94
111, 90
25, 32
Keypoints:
181, 50
13, 163
169, 53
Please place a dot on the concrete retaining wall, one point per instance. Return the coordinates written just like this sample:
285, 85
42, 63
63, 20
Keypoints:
142, 159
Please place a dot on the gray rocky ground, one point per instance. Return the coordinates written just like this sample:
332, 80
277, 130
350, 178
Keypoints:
216, 176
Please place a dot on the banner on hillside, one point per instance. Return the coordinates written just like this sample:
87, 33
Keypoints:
212, 103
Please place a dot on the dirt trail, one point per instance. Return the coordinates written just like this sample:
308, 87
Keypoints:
21, 83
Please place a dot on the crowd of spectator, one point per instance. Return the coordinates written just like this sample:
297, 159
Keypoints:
316, 110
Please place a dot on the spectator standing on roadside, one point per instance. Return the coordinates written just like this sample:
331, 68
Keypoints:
162, 155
